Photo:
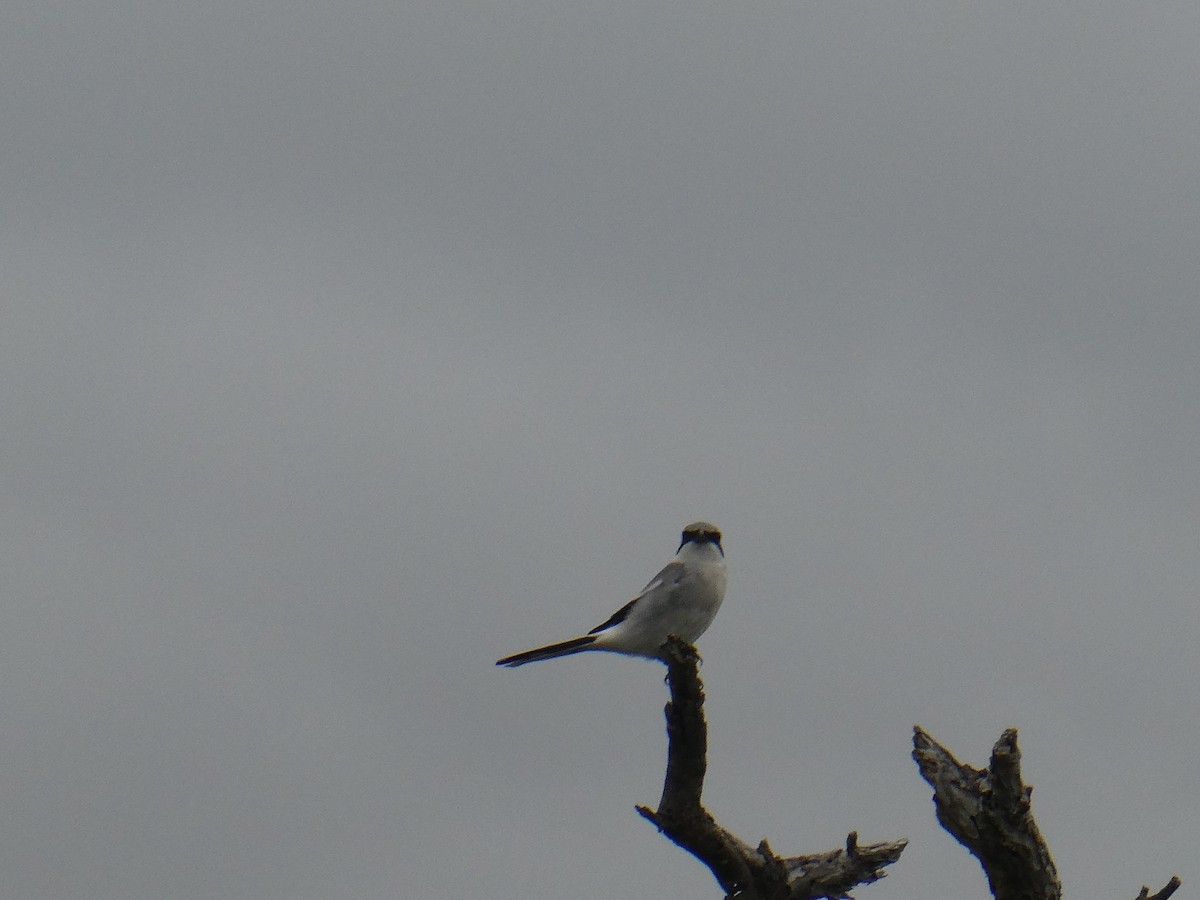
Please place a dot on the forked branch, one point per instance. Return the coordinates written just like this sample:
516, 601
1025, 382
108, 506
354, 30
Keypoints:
989, 812
1171, 887
744, 872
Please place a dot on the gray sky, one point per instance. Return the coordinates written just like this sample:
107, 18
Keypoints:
348, 347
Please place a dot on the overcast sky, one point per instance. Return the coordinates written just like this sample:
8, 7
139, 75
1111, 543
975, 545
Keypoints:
348, 347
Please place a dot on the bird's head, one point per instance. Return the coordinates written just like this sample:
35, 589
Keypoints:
701, 533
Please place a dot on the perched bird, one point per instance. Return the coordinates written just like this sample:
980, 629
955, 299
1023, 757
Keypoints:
682, 600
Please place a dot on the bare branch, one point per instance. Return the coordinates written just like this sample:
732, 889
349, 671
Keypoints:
1171, 887
988, 812
743, 871
833, 874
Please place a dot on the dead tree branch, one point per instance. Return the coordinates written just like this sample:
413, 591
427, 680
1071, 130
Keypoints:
988, 811
744, 872
1171, 887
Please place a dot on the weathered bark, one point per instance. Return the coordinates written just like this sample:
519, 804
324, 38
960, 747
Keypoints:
989, 812
744, 872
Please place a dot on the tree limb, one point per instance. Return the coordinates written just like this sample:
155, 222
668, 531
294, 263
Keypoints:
744, 872
1171, 887
988, 812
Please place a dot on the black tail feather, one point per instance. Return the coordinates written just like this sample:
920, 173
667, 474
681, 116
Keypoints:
564, 648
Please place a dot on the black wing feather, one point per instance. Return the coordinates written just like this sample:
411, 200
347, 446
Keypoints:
619, 616
671, 572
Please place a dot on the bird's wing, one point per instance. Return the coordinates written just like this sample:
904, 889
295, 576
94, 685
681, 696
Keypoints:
671, 573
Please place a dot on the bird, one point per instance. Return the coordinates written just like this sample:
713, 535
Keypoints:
682, 600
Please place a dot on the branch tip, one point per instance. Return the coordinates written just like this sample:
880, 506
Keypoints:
1171, 887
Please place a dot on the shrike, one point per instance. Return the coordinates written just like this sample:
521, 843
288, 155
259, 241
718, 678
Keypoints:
682, 600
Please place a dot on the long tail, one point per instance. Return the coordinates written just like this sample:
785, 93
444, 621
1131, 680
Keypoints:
564, 648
